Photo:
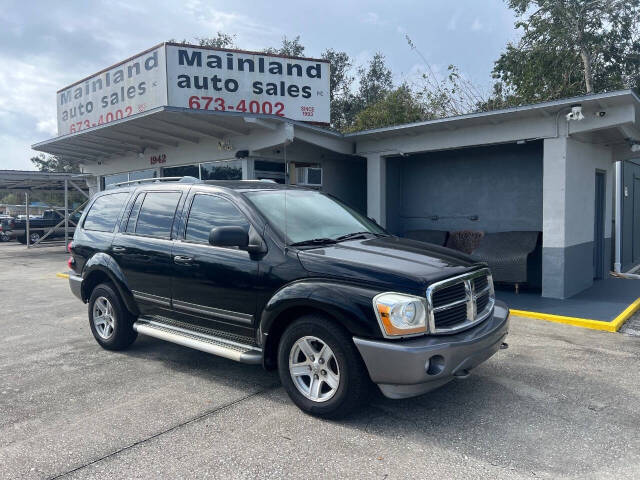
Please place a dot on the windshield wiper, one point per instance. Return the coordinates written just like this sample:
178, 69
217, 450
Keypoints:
313, 241
353, 235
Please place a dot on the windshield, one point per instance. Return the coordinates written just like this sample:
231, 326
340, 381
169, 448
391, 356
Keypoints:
310, 215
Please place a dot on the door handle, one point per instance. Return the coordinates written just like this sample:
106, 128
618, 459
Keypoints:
118, 249
183, 259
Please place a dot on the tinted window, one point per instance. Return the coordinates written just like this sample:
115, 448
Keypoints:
156, 214
208, 212
133, 216
116, 178
182, 171
142, 174
266, 166
104, 212
228, 170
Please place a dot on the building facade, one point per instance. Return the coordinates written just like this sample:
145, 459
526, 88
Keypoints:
566, 168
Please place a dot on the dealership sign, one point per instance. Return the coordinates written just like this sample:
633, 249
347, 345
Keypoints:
198, 78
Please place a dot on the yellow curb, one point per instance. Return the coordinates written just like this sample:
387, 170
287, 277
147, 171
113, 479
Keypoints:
62, 275
612, 326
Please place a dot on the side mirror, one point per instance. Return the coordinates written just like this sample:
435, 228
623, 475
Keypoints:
229, 237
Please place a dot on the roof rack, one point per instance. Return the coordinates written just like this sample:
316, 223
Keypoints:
185, 179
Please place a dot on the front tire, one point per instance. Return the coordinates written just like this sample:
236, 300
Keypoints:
109, 320
320, 368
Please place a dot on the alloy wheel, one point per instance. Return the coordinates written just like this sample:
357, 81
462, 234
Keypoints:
314, 369
103, 317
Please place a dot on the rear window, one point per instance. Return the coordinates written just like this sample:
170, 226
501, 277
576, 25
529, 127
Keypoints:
156, 214
104, 212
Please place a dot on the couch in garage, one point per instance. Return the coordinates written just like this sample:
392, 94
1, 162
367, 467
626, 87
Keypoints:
513, 257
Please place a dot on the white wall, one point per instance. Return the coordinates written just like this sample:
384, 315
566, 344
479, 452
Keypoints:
583, 160
568, 213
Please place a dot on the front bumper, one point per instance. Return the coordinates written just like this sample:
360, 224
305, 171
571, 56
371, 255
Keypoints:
415, 366
75, 283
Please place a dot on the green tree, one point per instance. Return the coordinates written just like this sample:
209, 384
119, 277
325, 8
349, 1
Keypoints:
340, 82
289, 48
445, 95
51, 163
400, 105
220, 40
569, 47
376, 81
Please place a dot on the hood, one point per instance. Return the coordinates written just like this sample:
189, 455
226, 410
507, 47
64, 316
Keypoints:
387, 261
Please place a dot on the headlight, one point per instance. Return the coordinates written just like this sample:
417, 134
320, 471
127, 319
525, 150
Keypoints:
400, 314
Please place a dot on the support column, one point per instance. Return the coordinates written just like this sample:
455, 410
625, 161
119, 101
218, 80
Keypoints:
618, 188
247, 169
66, 215
377, 188
27, 222
568, 214
553, 217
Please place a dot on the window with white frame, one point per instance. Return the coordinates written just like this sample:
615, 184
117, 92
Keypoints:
309, 175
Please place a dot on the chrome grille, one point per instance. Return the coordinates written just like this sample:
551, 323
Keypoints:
460, 302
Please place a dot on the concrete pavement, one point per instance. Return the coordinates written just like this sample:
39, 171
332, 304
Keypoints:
561, 402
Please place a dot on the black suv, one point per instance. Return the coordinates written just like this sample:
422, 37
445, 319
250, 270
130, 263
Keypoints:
286, 277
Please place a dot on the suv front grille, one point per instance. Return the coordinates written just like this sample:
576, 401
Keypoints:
460, 302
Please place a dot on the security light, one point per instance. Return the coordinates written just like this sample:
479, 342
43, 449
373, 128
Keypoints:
575, 113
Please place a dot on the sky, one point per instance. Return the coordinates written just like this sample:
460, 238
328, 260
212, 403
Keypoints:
47, 45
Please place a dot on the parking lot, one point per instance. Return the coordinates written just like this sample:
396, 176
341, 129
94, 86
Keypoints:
561, 402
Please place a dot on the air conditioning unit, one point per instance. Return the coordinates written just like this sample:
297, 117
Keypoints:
311, 176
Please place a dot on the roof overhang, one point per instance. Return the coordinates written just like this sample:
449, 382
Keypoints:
619, 124
21, 180
172, 126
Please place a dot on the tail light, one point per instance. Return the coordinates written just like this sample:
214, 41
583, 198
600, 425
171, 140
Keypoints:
71, 260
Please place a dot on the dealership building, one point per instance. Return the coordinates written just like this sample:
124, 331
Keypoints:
568, 168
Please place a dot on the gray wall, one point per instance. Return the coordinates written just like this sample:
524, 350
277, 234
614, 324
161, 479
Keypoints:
501, 184
346, 178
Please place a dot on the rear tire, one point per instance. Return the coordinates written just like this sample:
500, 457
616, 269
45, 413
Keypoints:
332, 383
110, 322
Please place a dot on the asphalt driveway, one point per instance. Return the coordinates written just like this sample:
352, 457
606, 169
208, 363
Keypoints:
561, 402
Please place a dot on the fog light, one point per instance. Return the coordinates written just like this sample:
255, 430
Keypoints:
435, 365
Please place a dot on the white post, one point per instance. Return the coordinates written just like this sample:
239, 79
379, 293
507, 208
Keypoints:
66, 215
26, 211
377, 188
619, 186
247, 169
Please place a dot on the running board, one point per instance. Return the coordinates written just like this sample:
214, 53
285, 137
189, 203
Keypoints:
199, 341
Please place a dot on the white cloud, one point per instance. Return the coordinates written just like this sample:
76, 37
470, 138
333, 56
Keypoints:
478, 26
372, 18
210, 18
452, 24
44, 47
